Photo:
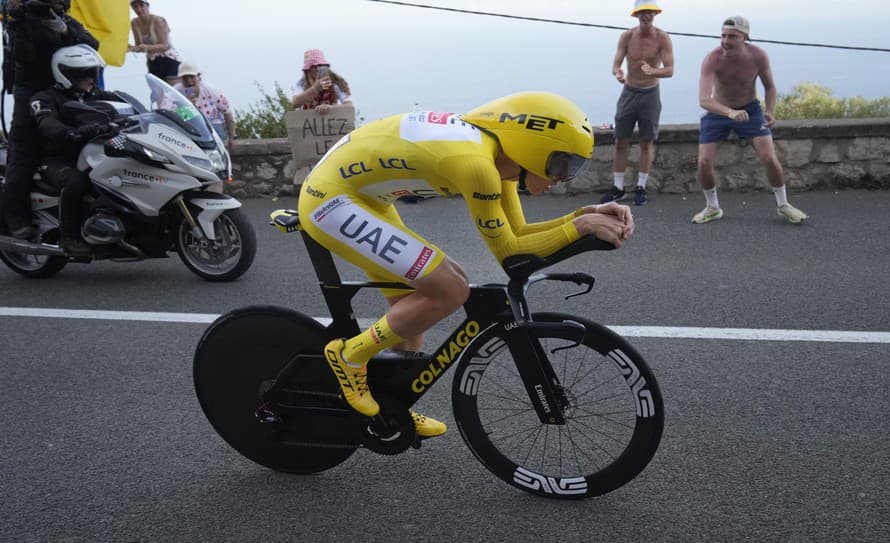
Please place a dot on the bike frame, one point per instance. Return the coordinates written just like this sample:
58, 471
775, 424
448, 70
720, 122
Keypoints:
409, 378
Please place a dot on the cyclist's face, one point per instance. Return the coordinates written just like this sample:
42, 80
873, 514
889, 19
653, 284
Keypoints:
537, 185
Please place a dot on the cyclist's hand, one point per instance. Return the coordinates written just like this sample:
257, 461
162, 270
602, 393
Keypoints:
622, 213
606, 227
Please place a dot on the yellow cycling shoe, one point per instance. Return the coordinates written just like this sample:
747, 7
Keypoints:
353, 381
426, 426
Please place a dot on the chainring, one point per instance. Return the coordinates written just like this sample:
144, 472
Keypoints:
391, 431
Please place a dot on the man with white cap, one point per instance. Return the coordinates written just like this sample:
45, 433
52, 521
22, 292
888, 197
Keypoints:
727, 91
209, 101
650, 56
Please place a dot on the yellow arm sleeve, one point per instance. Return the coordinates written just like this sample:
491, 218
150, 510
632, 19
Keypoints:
480, 184
513, 209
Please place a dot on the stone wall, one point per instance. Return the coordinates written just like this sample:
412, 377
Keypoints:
816, 154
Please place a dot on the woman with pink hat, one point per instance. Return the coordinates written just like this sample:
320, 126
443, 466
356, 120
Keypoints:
319, 88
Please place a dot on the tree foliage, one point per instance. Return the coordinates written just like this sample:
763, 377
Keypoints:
812, 101
264, 119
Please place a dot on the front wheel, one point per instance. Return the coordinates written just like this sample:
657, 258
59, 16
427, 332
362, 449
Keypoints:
222, 259
608, 396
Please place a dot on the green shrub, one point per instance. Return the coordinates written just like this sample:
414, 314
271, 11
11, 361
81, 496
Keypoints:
264, 119
812, 101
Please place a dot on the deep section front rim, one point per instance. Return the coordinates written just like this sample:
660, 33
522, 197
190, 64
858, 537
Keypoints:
606, 392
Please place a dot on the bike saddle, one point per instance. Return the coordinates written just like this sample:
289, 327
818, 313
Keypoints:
286, 220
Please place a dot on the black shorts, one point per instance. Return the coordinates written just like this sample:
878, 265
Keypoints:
164, 67
641, 107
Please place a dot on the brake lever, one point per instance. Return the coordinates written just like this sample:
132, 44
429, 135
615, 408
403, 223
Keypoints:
579, 278
585, 291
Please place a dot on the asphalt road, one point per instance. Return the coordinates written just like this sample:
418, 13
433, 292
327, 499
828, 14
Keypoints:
103, 439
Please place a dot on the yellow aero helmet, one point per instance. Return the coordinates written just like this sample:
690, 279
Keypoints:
543, 132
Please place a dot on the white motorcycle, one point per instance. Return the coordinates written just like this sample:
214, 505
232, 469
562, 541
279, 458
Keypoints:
157, 186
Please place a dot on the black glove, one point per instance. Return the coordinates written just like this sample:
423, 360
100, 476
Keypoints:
55, 24
87, 132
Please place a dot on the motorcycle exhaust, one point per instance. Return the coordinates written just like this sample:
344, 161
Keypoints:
14, 245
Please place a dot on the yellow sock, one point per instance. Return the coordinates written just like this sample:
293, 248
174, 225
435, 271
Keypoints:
361, 348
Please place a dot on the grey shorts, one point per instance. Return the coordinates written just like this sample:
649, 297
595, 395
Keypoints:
641, 107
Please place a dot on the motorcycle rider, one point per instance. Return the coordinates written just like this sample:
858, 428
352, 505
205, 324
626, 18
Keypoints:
37, 29
62, 136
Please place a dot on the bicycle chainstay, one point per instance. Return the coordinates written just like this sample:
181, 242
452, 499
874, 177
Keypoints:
392, 431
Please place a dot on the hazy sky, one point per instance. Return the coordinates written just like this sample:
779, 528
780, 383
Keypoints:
396, 56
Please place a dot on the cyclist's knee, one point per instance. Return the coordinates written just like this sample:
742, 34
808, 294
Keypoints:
448, 284
458, 283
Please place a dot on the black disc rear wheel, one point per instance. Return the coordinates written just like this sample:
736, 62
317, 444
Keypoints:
608, 396
239, 357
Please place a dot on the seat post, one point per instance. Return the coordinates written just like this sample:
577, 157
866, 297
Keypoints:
337, 296
322, 261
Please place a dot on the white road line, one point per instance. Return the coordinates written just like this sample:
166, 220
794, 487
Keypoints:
753, 334
672, 332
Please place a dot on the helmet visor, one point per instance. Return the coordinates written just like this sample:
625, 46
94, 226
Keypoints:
562, 166
75, 74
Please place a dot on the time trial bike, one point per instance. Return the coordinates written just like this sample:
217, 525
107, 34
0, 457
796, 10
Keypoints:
554, 404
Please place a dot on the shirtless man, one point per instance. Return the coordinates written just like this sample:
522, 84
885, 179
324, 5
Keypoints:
650, 56
727, 92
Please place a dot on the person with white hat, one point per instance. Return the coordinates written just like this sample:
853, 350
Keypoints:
727, 91
650, 57
209, 101
319, 88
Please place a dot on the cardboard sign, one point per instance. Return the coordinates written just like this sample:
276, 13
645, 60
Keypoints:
311, 134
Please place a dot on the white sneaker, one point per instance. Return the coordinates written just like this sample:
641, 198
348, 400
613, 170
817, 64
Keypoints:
794, 215
708, 214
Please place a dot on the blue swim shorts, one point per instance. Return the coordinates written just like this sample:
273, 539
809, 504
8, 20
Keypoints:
717, 127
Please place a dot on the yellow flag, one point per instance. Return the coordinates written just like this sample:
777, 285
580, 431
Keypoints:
109, 22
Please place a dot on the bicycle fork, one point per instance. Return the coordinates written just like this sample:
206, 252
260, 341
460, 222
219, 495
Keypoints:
532, 362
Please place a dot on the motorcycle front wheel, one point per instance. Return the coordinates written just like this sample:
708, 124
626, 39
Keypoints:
222, 259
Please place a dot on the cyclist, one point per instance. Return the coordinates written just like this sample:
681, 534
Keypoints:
530, 139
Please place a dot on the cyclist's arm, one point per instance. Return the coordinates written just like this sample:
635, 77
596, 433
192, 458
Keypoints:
513, 208
480, 184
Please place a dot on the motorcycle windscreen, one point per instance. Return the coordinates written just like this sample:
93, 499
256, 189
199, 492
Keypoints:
173, 106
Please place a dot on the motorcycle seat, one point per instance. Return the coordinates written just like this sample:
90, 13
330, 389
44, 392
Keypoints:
45, 187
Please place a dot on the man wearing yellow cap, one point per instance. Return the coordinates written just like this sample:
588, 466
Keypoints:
650, 56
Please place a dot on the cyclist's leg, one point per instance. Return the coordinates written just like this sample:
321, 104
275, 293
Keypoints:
373, 238
412, 342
